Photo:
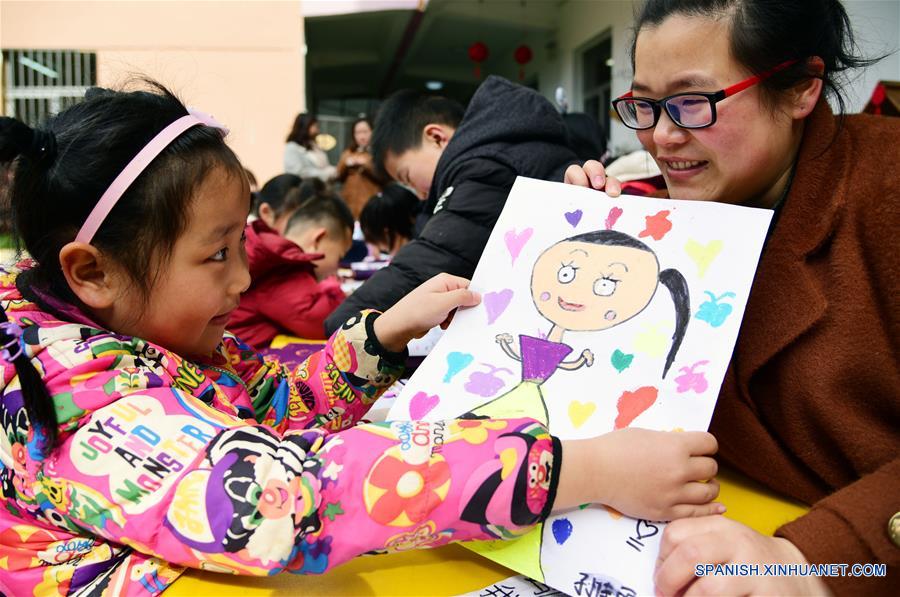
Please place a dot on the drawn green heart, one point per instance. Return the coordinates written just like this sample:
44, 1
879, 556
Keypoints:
620, 360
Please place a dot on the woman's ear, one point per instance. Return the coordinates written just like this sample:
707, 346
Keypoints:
95, 279
806, 94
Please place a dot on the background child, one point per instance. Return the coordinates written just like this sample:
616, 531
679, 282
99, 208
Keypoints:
292, 288
271, 205
388, 219
137, 440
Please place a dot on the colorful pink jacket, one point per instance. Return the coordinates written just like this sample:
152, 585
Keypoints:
237, 465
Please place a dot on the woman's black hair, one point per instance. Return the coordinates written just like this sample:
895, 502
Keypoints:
275, 191
670, 278
300, 131
390, 214
352, 145
59, 172
767, 33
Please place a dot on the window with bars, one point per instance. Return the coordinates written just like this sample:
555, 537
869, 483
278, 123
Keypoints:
39, 83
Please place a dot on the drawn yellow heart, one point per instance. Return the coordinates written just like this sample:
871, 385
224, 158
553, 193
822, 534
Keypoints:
580, 412
703, 255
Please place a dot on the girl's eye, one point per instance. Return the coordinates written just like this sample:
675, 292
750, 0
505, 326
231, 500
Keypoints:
605, 286
220, 255
566, 274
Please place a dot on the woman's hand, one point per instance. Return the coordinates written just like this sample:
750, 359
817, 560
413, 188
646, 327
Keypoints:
654, 475
718, 540
593, 176
432, 303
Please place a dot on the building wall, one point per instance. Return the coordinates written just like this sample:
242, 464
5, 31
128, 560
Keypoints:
240, 61
876, 25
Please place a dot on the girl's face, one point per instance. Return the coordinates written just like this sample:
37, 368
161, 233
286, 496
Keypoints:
746, 156
583, 286
362, 133
199, 287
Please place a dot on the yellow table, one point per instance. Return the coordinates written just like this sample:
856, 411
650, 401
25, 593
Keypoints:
453, 569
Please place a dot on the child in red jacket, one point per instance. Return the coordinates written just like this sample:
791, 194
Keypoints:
293, 288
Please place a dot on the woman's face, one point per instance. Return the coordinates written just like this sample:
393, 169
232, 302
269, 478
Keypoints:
362, 133
746, 156
314, 128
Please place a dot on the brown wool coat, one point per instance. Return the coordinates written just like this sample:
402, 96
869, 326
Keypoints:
811, 402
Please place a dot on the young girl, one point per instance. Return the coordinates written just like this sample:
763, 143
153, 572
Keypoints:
137, 439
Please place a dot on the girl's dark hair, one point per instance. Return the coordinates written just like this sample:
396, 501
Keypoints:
61, 169
766, 33
300, 131
390, 214
670, 278
275, 191
352, 145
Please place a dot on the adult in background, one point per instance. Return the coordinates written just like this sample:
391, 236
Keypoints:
728, 97
355, 168
302, 156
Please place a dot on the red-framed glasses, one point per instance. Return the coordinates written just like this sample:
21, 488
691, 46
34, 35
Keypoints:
691, 110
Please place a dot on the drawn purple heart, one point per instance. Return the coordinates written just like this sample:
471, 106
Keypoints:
516, 240
495, 303
573, 217
422, 404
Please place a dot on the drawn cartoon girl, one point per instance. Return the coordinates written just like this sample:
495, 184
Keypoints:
589, 282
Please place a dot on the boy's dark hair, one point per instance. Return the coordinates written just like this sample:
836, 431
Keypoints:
767, 33
61, 169
390, 214
320, 207
300, 131
402, 118
275, 191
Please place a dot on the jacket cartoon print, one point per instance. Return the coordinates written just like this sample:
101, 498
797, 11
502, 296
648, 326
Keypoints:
235, 465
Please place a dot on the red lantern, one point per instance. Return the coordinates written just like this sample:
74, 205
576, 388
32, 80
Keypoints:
523, 56
478, 53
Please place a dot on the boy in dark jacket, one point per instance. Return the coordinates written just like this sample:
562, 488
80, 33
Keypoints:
465, 164
293, 287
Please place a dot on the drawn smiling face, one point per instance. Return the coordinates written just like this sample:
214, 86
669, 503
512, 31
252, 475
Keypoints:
583, 286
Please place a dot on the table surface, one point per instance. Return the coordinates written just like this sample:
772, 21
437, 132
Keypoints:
453, 569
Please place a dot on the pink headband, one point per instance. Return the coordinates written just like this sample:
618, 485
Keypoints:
137, 165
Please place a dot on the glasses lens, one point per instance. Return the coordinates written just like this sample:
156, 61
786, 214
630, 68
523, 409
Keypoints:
690, 111
636, 113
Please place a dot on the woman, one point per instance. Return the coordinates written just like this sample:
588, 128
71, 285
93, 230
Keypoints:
811, 402
355, 169
301, 154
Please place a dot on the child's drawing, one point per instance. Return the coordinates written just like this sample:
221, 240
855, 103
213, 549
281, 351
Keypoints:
596, 314
588, 282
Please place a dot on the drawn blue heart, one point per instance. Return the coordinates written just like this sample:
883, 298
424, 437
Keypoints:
562, 530
456, 362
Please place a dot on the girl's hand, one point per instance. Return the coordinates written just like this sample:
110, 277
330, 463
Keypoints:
718, 540
593, 176
433, 303
654, 475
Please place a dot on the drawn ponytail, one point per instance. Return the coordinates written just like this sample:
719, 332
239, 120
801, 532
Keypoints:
678, 288
38, 403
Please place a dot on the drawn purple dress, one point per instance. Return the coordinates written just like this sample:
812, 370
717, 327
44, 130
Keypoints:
540, 358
